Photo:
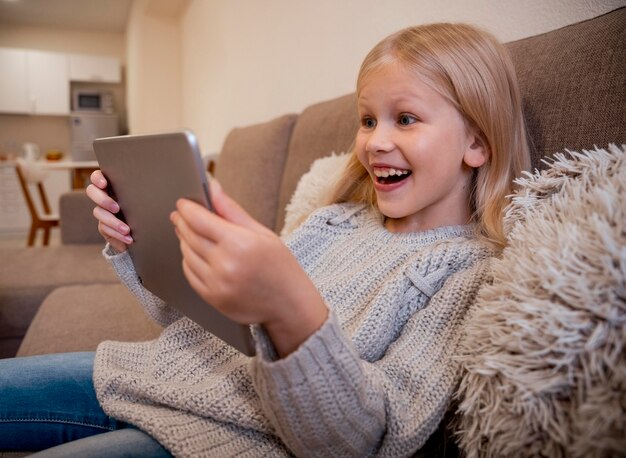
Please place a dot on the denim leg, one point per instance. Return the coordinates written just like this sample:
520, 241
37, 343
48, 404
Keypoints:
129, 442
49, 400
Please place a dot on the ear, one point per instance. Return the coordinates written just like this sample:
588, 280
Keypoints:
477, 153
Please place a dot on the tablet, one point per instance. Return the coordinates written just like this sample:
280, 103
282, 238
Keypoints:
147, 174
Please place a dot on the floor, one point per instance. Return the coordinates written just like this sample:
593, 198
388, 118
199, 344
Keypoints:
18, 239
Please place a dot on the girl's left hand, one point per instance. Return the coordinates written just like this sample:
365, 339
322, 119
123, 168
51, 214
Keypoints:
244, 270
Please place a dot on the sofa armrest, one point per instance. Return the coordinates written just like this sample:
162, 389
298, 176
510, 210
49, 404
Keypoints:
78, 226
79, 317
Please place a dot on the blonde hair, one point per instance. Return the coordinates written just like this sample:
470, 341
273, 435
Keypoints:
472, 70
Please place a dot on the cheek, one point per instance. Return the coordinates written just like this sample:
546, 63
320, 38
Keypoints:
359, 148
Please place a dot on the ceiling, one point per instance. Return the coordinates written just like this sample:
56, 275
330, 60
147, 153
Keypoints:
100, 15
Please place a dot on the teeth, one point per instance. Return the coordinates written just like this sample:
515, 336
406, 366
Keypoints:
384, 173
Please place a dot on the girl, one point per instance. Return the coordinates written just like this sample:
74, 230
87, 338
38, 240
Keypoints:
358, 314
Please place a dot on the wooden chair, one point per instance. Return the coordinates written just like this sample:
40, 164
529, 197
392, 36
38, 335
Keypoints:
46, 221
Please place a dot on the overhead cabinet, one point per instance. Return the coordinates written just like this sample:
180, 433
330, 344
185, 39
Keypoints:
94, 68
48, 83
14, 86
34, 82
38, 82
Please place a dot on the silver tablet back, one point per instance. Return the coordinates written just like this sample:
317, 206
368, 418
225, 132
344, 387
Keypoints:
147, 174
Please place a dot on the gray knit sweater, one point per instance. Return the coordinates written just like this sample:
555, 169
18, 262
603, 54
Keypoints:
375, 379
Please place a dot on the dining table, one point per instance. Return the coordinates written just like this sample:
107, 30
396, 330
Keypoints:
79, 170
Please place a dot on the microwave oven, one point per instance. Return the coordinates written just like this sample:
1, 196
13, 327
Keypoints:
94, 101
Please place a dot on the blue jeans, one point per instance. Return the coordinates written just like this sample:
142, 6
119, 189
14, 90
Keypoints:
50, 400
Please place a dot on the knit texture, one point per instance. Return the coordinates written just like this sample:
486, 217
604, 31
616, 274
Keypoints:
375, 379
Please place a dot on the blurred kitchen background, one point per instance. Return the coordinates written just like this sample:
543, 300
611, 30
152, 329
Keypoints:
74, 69
62, 84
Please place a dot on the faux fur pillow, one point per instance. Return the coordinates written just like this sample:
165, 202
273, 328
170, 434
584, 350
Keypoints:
312, 190
544, 358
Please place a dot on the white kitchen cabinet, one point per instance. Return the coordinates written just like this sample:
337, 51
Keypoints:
14, 95
49, 84
97, 69
34, 82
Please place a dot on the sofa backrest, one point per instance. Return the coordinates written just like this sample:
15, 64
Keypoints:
573, 83
250, 166
320, 130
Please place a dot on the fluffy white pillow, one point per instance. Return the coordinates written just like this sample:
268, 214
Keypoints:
544, 360
312, 190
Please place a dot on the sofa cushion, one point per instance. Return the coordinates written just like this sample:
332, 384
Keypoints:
320, 129
78, 225
78, 318
544, 353
27, 276
313, 190
251, 164
573, 83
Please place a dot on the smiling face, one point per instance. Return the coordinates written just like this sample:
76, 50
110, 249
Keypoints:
417, 149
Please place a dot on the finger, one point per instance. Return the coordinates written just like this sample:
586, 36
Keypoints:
102, 199
195, 263
202, 221
108, 219
195, 282
111, 233
229, 209
196, 242
116, 244
97, 178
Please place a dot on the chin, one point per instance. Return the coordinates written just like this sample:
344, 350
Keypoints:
392, 211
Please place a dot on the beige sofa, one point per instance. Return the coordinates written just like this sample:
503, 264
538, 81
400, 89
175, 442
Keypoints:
573, 82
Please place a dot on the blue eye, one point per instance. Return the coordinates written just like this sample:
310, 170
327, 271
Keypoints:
368, 123
406, 119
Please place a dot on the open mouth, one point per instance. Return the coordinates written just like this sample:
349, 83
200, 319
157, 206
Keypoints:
389, 175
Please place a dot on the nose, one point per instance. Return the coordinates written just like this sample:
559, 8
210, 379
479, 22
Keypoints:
380, 140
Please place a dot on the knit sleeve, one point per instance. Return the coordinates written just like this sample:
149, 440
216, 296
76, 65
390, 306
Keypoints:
154, 306
324, 400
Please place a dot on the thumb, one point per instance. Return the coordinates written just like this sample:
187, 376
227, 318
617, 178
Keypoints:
230, 210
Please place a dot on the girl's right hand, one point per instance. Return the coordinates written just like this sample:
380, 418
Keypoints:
114, 230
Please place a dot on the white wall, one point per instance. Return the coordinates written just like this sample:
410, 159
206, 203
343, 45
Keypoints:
65, 40
154, 68
247, 61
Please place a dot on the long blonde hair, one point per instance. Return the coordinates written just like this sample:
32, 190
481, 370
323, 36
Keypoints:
472, 70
